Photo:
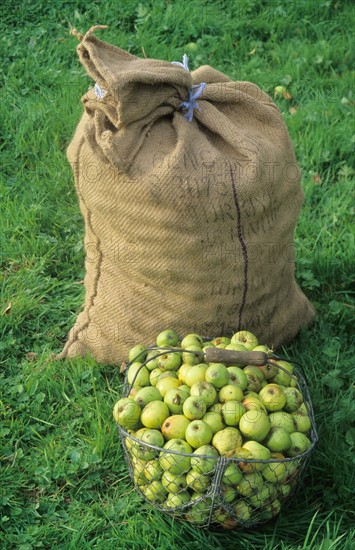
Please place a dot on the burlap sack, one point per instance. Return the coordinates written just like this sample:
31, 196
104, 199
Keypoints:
189, 224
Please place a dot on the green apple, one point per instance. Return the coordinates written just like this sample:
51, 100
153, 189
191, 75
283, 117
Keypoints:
255, 378
302, 422
217, 374
193, 356
134, 390
183, 370
196, 374
261, 497
154, 492
275, 472
174, 427
137, 353
281, 377
259, 452
169, 361
154, 376
294, 399
242, 510
214, 419
198, 433
283, 420
253, 403
175, 398
232, 411
153, 470
250, 484
230, 392
278, 439
284, 490
152, 360
269, 370
138, 375
185, 388
167, 338
146, 395
254, 424
126, 412
198, 482
227, 440
221, 340
248, 339
173, 483
177, 500
216, 407
167, 374
243, 456
271, 510
138, 472
194, 408
237, 377
154, 414
273, 397
228, 493
299, 444
200, 511
176, 462
205, 390
205, 459
166, 384
232, 474
150, 437
191, 340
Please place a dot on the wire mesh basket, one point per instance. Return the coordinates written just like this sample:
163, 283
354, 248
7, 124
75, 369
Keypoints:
219, 490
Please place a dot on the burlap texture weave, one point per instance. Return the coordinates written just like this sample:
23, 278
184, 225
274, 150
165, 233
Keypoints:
188, 225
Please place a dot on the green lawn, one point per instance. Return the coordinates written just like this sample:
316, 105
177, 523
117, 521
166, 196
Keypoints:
63, 479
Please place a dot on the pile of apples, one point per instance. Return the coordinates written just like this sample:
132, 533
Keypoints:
208, 442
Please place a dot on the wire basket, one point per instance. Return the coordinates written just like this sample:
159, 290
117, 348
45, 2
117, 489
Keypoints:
213, 491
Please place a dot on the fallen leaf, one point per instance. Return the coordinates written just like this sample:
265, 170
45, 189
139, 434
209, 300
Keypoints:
293, 110
31, 356
316, 179
123, 367
7, 310
287, 95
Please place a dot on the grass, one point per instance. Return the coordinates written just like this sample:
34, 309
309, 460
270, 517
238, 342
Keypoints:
63, 479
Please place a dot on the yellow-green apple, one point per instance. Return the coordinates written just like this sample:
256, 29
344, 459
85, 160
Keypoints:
138, 353
294, 399
138, 375
245, 337
206, 463
278, 439
154, 492
217, 374
173, 483
138, 471
176, 462
232, 474
175, 398
167, 338
237, 377
153, 470
302, 422
174, 427
177, 500
255, 424
196, 374
259, 452
194, 408
214, 419
200, 511
243, 456
127, 412
205, 390
152, 359
146, 395
261, 497
198, 433
232, 411
275, 472
299, 444
242, 510
191, 340
166, 384
183, 370
230, 392
250, 484
198, 482
154, 414
271, 510
281, 377
134, 390
283, 420
171, 360
148, 437
192, 355
255, 378
216, 407
251, 402
221, 340
227, 440
185, 388
154, 376
228, 493
273, 397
